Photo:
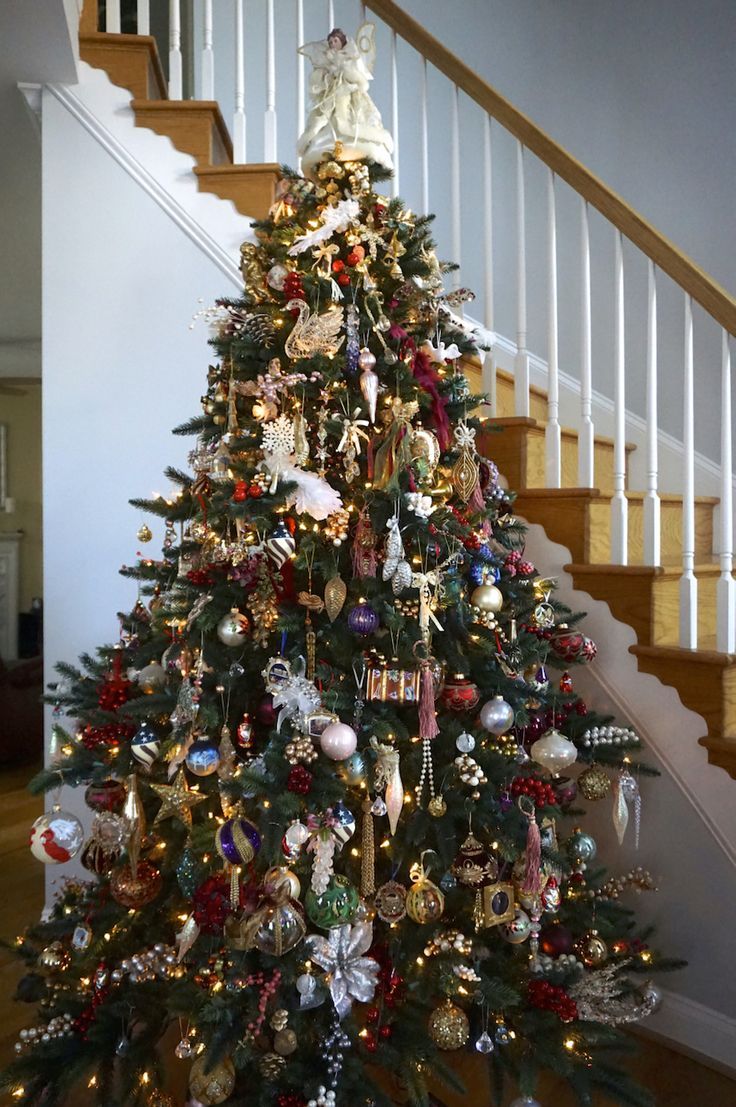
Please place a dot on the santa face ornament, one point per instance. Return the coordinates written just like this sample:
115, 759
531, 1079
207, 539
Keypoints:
56, 837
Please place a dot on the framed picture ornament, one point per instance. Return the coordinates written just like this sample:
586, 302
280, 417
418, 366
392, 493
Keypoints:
498, 903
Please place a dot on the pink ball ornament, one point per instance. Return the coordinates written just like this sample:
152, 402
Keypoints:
338, 741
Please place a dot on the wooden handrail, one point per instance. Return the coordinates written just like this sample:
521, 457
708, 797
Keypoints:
719, 303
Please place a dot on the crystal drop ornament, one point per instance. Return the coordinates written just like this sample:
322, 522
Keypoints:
484, 1044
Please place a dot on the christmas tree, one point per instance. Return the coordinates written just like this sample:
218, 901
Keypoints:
330, 840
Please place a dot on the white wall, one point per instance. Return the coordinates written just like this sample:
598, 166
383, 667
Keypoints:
120, 368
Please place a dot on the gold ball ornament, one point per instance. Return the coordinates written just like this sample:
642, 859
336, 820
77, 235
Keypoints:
424, 902
54, 958
594, 783
213, 1086
449, 1027
437, 807
592, 950
145, 534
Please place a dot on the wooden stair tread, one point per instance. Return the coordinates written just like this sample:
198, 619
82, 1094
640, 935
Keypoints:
632, 496
130, 58
251, 188
658, 572
510, 421
194, 126
711, 659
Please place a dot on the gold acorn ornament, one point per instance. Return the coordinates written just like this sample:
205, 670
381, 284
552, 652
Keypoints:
424, 900
211, 1085
594, 783
336, 591
449, 1027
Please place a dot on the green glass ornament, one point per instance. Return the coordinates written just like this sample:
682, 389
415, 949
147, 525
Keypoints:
335, 906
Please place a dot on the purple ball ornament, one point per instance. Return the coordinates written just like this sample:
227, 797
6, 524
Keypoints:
363, 620
237, 841
338, 741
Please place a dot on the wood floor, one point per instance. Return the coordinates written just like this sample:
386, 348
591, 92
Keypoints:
676, 1080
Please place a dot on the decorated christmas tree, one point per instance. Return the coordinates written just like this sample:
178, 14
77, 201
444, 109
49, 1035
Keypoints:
330, 836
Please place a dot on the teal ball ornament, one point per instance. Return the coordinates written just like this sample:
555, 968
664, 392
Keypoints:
337, 905
203, 757
581, 847
353, 770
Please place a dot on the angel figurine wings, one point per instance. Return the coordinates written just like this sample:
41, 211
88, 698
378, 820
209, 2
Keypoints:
341, 108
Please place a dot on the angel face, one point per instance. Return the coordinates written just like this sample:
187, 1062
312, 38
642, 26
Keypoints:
336, 39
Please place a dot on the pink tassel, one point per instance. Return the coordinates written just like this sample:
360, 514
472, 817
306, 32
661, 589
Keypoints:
412, 482
427, 715
532, 870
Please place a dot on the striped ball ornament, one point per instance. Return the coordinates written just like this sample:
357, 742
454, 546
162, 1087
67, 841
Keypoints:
145, 745
237, 841
280, 545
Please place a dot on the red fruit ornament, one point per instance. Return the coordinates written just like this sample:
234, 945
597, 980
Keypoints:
344, 279
539, 791
240, 492
338, 265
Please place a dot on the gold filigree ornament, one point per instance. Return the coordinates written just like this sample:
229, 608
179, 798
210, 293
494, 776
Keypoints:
465, 472
314, 335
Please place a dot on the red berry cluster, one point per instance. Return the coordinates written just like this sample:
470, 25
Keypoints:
244, 491
111, 734
113, 693
538, 790
290, 1099
299, 780
551, 997
200, 577
293, 288
371, 1037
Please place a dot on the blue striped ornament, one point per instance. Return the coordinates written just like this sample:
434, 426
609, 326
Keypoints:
145, 745
280, 545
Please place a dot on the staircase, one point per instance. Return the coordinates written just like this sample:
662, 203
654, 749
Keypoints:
648, 554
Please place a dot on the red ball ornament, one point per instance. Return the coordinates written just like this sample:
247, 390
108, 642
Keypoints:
255, 491
372, 1015
240, 492
385, 1032
108, 795
460, 694
338, 265
135, 891
556, 940
344, 279
566, 683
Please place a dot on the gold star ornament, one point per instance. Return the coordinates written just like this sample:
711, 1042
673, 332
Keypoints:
177, 800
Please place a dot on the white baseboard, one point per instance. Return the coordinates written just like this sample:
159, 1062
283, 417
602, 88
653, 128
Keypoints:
696, 1030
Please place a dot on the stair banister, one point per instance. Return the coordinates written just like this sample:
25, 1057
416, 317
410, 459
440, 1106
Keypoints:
112, 17
619, 503
688, 580
691, 278
586, 432
143, 17
270, 146
395, 181
300, 66
208, 54
652, 513
521, 364
488, 363
726, 588
239, 116
175, 59
552, 435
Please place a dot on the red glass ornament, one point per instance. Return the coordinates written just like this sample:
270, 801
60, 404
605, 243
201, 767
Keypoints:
566, 683
108, 795
111, 734
255, 491
299, 780
338, 265
372, 1015
240, 492
343, 279
135, 891
460, 694
385, 1032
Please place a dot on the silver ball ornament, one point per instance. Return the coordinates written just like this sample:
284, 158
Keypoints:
497, 716
366, 359
234, 628
518, 929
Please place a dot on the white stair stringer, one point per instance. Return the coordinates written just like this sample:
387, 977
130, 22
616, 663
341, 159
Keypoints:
685, 811
164, 172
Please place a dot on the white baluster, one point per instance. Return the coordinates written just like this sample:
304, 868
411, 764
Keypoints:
726, 588
688, 580
175, 81
619, 503
143, 17
425, 141
552, 437
112, 17
586, 434
239, 113
455, 185
269, 120
208, 55
521, 364
395, 111
300, 65
652, 550
330, 15
488, 358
